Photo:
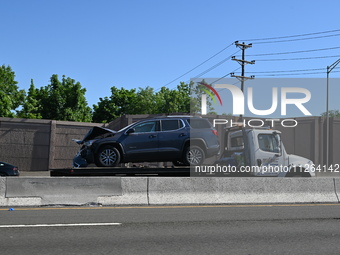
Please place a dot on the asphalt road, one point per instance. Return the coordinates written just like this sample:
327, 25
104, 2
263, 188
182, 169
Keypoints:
233, 229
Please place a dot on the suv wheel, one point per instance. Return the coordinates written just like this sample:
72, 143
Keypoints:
107, 156
194, 156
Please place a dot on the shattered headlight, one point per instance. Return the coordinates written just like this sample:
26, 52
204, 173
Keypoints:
89, 143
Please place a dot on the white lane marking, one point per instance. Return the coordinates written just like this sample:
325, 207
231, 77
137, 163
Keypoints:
60, 225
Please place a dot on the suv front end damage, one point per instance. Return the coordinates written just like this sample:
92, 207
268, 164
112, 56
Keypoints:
84, 157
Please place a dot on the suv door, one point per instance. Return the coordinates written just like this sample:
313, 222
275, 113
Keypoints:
142, 144
171, 139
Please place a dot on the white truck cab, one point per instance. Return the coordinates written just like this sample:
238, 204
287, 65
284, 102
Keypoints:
260, 152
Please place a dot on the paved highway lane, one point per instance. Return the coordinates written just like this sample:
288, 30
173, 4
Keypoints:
233, 229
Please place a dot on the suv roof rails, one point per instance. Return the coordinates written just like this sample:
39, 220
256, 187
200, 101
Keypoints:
177, 116
182, 116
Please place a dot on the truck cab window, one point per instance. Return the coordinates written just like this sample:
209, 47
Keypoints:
268, 143
236, 143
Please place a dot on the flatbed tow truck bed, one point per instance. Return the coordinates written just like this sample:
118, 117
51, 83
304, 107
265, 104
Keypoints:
125, 171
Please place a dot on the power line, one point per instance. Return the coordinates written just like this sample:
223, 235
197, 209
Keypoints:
285, 59
198, 65
290, 71
292, 52
218, 78
227, 75
299, 39
291, 36
290, 74
216, 65
272, 40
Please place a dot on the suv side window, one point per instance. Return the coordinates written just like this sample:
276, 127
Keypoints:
148, 126
199, 123
168, 125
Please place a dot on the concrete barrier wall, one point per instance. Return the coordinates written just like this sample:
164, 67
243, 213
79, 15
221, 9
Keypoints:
240, 190
165, 191
63, 190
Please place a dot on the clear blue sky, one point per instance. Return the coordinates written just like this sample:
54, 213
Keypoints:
141, 43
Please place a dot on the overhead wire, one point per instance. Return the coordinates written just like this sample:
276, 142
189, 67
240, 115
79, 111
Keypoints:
291, 52
285, 59
287, 71
290, 74
273, 40
218, 78
222, 76
298, 39
291, 36
216, 65
205, 61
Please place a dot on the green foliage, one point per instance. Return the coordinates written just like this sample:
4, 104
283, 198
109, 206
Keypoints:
31, 108
143, 101
60, 100
172, 101
10, 95
196, 90
65, 100
332, 113
119, 103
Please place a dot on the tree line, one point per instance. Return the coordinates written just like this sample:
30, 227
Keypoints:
64, 99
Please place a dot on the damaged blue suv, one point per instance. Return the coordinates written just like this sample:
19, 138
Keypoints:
182, 140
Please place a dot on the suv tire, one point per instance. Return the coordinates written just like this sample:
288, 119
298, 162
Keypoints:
107, 156
194, 156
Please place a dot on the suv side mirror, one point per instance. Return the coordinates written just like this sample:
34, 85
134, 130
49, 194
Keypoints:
131, 130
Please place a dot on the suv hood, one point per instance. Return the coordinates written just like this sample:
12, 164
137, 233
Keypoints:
94, 132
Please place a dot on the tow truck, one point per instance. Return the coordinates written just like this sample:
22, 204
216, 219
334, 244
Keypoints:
261, 152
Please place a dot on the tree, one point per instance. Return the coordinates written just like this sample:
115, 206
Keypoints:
332, 113
10, 95
143, 101
146, 101
170, 101
31, 108
196, 91
60, 100
121, 102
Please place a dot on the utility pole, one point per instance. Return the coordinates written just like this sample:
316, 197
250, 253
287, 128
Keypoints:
242, 78
329, 69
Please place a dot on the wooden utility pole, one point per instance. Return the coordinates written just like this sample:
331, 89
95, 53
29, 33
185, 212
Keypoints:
242, 62
242, 78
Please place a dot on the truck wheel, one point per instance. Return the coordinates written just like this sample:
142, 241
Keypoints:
107, 156
194, 156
